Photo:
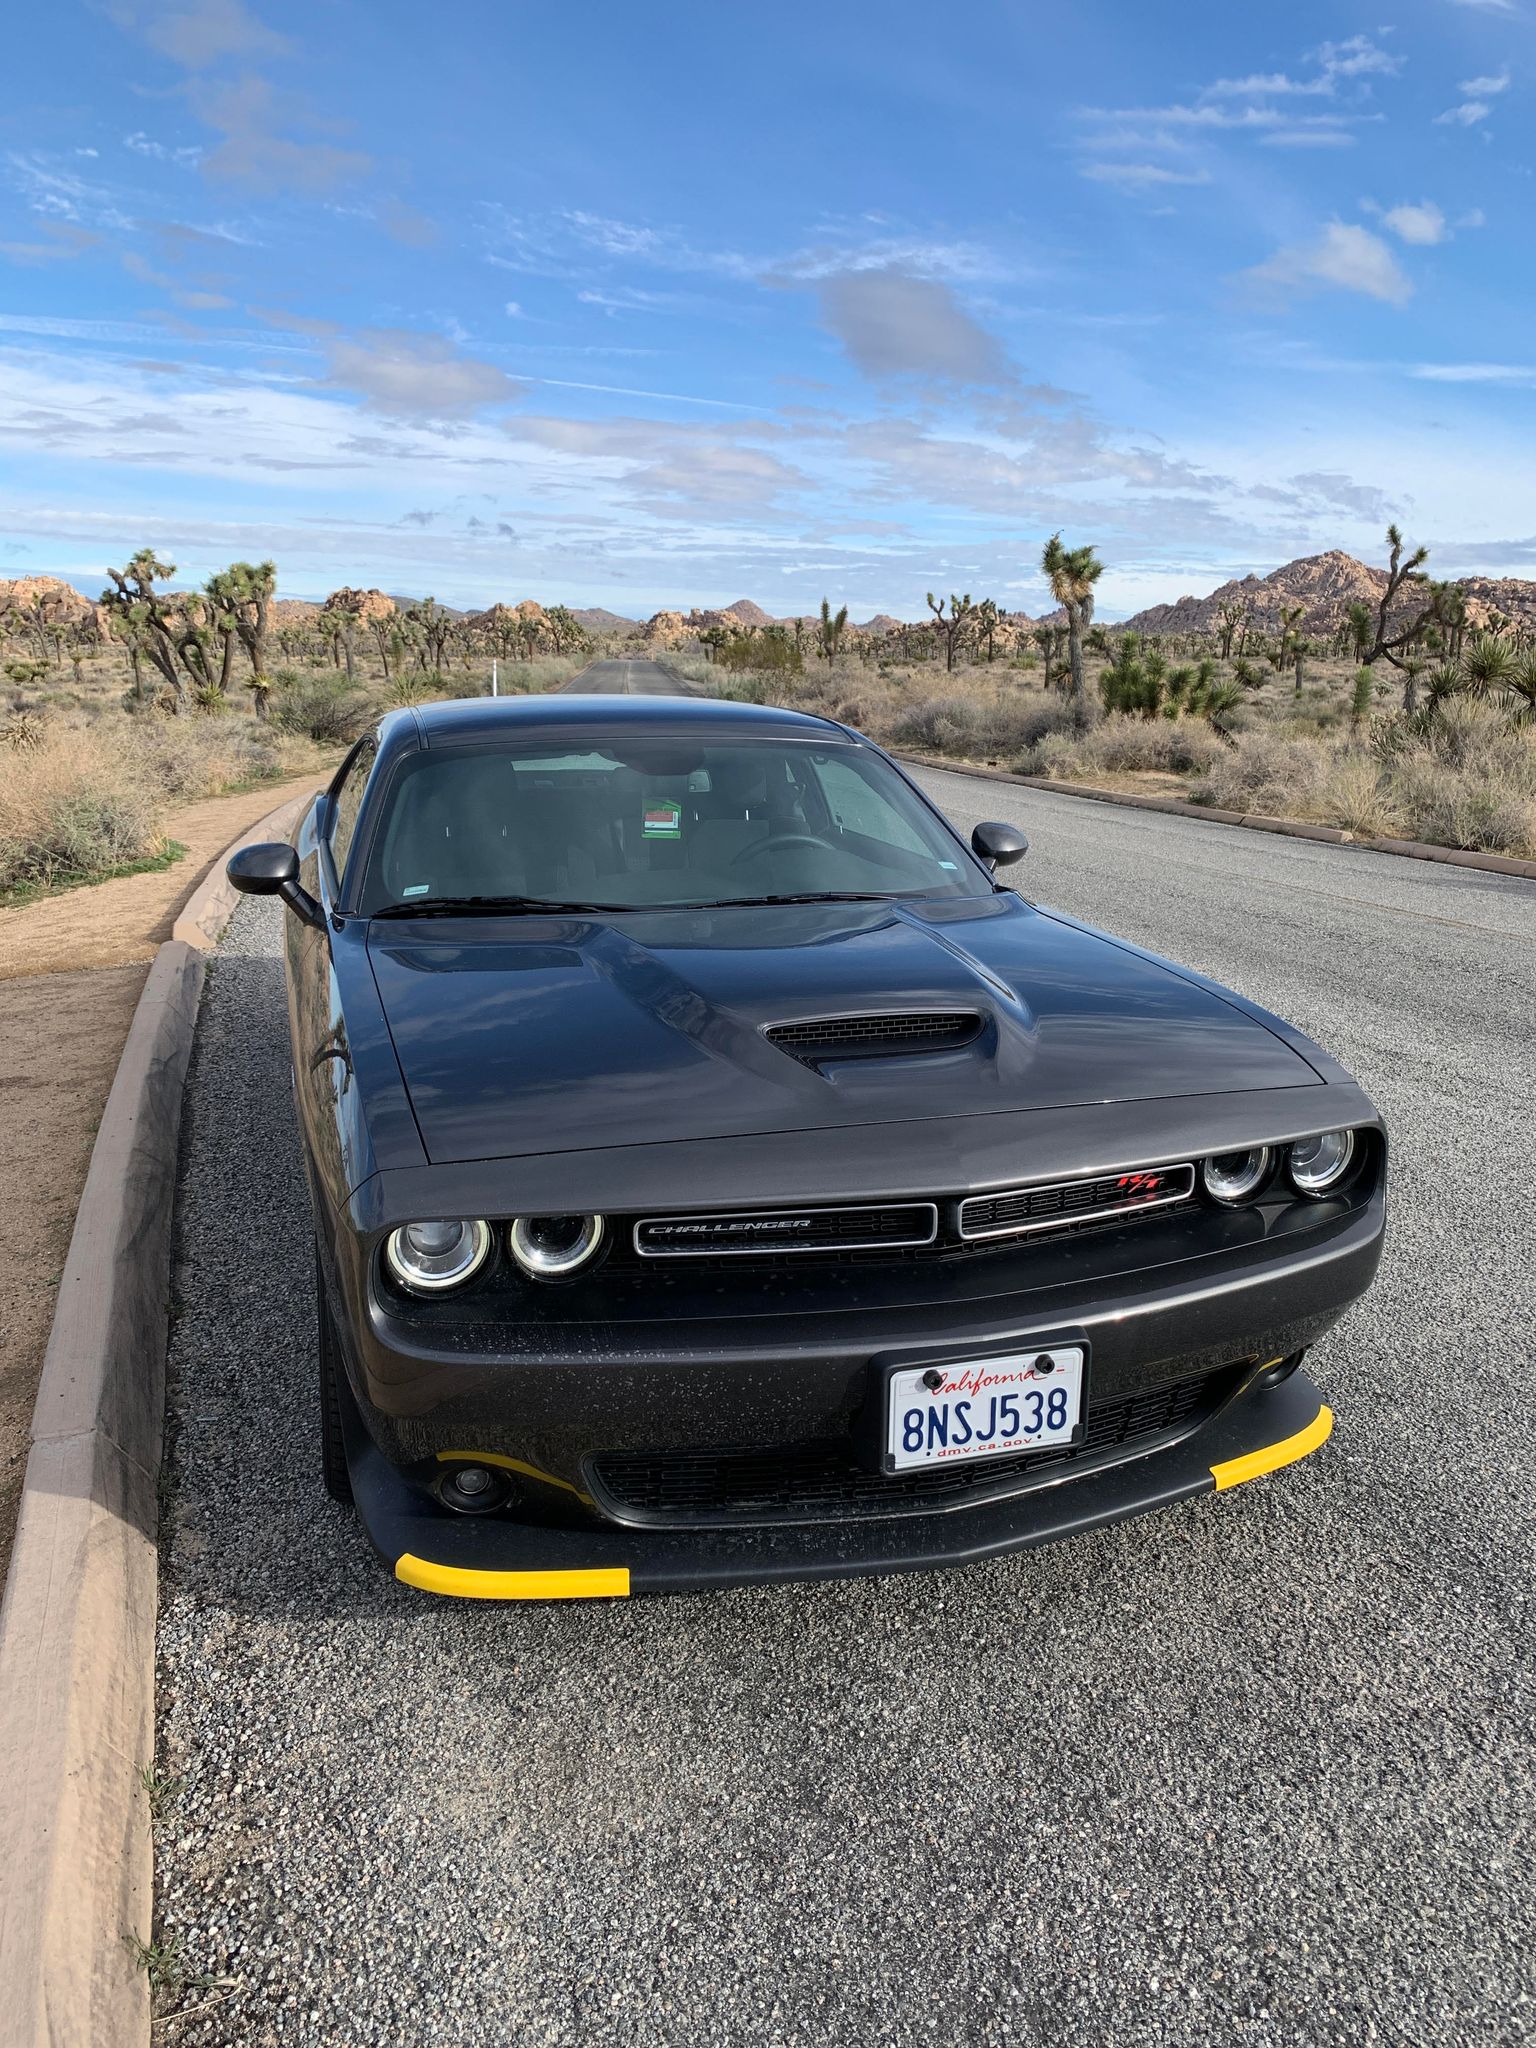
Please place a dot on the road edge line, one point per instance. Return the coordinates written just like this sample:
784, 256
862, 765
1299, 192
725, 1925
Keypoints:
77, 1624
1252, 821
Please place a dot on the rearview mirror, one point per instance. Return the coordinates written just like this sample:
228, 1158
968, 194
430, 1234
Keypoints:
998, 845
272, 869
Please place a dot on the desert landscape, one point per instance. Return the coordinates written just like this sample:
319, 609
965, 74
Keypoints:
1373, 698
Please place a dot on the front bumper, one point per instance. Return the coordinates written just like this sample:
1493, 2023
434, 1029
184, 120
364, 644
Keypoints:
1261, 1429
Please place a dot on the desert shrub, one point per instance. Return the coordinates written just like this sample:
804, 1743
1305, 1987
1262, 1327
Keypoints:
1355, 792
71, 806
1123, 744
1265, 773
969, 728
322, 707
1469, 780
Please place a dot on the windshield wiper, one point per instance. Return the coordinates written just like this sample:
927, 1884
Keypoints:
805, 896
488, 906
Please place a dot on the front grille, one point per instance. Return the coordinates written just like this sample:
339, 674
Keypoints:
905, 1031
1071, 1201
824, 1481
772, 1232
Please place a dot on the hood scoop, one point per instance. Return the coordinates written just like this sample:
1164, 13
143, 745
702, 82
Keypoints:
896, 1033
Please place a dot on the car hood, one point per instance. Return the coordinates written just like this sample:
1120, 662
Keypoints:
548, 1034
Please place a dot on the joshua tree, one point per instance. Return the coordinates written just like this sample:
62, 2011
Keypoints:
1044, 638
952, 629
1406, 572
1232, 612
1072, 573
337, 626
988, 619
1358, 626
244, 592
829, 633
1301, 647
145, 619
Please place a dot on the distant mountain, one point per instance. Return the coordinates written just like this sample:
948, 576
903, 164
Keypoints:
748, 613
1326, 585
594, 619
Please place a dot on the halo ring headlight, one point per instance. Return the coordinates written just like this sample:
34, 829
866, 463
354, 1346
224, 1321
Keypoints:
1232, 1178
429, 1258
551, 1247
1317, 1165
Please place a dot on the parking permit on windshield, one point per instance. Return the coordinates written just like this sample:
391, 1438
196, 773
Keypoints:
662, 821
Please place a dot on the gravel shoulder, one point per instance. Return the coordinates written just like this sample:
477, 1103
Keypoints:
1259, 1769
72, 967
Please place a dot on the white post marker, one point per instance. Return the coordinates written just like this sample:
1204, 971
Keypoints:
495, 692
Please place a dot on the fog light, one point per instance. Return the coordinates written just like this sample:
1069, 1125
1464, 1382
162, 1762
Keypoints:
1233, 1177
1277, 1370
1319, 1164
473, 1490
549, 1247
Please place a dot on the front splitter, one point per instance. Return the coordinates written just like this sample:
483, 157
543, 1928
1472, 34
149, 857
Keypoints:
491, 1558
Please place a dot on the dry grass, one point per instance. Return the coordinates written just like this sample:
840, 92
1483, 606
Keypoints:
82, 798
1466, 777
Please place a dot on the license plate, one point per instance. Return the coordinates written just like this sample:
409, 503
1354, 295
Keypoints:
984, 1407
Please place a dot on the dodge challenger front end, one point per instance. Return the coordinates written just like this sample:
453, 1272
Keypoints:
719, 1175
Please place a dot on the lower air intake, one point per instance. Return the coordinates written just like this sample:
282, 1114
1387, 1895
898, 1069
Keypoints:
826, 1482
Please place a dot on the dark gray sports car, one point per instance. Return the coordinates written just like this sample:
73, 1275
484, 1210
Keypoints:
720, 1175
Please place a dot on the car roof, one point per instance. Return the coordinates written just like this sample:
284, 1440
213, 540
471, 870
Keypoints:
463, 720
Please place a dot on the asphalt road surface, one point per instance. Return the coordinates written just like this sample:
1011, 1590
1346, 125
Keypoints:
628, 679
1255, 1770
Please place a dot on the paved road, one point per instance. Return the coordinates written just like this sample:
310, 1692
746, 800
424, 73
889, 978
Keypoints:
1257, 1770
629, 679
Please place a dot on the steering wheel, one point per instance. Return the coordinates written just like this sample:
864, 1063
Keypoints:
781, 842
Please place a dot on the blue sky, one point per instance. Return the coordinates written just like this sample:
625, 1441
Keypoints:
678, 304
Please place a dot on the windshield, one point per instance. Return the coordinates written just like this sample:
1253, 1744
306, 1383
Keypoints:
647, 824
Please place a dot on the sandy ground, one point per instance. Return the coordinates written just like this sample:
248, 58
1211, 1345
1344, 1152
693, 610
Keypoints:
71, 968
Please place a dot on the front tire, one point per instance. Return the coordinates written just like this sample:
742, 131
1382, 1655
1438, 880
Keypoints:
333, 1447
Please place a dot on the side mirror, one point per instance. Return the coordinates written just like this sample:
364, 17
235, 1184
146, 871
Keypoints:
999, 845
272, 869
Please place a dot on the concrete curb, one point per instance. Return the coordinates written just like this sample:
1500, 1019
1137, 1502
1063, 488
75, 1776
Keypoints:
77, 1628
1253, 821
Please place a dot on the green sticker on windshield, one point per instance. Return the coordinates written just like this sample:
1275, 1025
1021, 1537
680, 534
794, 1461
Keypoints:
663, 821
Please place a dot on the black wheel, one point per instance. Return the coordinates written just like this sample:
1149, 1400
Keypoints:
333, 1448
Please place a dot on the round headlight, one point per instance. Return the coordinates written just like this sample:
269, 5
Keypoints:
1318, 1164
426, 1258
1233, 1177
549, 1247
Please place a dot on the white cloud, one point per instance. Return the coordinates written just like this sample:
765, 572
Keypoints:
1308, 138
1475, 373
1356, 58
1422, 225
1489, 6
892, 324
1349, 258
1467, 115
1485, 88
145, 145
201, 32
1139, 177
416, 376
